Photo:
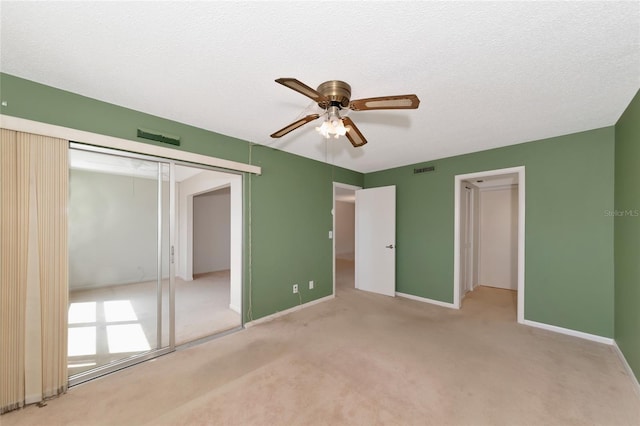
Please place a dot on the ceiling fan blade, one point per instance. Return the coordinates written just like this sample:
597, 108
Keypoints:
353, 134
302, 88
386, 102
294, 125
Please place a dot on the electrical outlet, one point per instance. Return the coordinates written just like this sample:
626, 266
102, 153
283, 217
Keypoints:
295, 288
310, 285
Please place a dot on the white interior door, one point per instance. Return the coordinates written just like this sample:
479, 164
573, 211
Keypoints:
375, 251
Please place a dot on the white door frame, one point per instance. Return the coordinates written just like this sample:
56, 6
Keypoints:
333, 226
520, 170
468, 260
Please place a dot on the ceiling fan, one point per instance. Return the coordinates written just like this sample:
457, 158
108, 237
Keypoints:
333, 96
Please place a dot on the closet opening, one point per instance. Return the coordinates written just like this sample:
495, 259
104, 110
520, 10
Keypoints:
489, 235
133, 292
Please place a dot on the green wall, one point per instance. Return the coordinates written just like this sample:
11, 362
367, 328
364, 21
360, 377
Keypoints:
291, 217
627, 234
289, 204
569, 237
46, 104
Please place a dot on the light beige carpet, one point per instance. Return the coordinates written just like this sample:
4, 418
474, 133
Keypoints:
365, 359
202, 306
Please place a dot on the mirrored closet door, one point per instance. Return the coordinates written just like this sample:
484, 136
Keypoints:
155, 257
120, 272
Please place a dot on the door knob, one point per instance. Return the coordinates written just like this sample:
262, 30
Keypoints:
389, 246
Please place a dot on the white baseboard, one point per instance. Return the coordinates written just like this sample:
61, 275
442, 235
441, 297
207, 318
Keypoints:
234, 308
561, 330
569, 332
425, 300
627, 367
287, 311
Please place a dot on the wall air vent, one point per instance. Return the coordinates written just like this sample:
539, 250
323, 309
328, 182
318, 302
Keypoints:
154, 135
424, 170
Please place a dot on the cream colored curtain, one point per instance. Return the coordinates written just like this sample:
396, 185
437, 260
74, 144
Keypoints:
33, 268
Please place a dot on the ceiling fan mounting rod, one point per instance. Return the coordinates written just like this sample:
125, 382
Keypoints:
333, 111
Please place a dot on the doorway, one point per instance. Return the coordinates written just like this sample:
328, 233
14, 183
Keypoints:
489, 223
344, 209
209, 261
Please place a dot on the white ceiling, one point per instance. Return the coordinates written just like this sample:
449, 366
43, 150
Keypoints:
487, 74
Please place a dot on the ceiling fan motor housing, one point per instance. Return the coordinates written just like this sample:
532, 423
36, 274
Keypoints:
337, 91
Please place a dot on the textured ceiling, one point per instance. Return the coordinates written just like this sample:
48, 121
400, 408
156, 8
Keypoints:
488, 74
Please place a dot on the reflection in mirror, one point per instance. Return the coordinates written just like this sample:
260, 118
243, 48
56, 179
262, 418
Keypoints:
113, 257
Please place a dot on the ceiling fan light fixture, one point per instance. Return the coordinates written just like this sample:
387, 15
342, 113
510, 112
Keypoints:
333, 128
333, 124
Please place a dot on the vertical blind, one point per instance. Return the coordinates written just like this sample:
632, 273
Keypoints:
33, 268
